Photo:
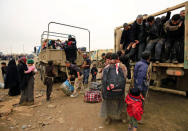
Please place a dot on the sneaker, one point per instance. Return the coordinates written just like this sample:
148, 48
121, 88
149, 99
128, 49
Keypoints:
74, 95
157, 62
174, 61
168, 61
107, 121
124, 121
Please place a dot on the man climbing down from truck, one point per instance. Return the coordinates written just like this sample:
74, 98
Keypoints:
173, 29
125, 37
138, 36
76, 74
49, 79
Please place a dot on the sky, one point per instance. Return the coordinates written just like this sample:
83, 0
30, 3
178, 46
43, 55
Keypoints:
23, 21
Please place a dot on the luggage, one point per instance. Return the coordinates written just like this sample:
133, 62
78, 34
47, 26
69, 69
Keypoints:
95, 86
92, 96
113, 82
67, 88
94, 93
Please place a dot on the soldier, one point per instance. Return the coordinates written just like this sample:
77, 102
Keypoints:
102, 61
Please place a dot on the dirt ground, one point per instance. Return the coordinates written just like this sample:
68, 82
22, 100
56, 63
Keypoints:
163, 112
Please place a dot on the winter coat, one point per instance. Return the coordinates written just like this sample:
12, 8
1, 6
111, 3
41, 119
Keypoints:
140, 75
134, 106
125, 38
22, 76
138, 32
153, 31
173, 31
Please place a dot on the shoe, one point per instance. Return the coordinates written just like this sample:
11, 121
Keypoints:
107, 121
74, 95
124, 121
168, 61
30, 103
141, 122
130, 129
23, 104
174, 61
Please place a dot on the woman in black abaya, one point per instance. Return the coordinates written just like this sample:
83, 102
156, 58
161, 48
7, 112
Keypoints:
12, 81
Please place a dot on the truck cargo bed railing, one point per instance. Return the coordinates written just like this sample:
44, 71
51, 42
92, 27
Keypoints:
68, 26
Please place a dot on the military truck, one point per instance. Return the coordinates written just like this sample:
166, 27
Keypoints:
58, 56
177, 73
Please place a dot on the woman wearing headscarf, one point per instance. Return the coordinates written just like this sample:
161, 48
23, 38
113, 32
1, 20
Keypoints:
28, 92
12, 81
22, 79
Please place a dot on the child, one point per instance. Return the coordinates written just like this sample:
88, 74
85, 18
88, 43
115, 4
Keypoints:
134, 108
4, 70
49, 79
31, 67
94, 72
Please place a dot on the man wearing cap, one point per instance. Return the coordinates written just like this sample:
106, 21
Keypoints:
138, 35
86, 68
75, 73
125, 37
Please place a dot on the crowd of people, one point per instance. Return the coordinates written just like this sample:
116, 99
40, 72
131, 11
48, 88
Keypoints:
19, 79
163, 37
142, 41
119, 101
69, 46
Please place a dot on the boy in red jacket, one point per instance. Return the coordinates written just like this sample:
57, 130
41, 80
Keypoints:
134, 108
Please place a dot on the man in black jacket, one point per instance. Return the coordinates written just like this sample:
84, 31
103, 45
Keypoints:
138, 35
173, 30
162, 37
125, 37
153, 34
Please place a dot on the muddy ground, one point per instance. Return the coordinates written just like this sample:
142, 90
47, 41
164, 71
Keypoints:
163, 112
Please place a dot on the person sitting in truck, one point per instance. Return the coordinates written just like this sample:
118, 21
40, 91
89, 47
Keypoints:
152, 35
162, 38
44, 44
173, 29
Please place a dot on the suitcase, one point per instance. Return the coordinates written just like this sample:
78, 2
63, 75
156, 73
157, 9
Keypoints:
92, 96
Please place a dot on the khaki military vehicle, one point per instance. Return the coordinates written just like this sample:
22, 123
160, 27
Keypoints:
58, 56
161, 71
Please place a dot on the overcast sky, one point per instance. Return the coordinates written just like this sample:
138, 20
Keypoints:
23, 21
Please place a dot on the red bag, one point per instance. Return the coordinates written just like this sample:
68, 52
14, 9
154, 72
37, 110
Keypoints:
93, 96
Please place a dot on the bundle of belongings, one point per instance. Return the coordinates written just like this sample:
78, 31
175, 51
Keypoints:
94, 93
67, 88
